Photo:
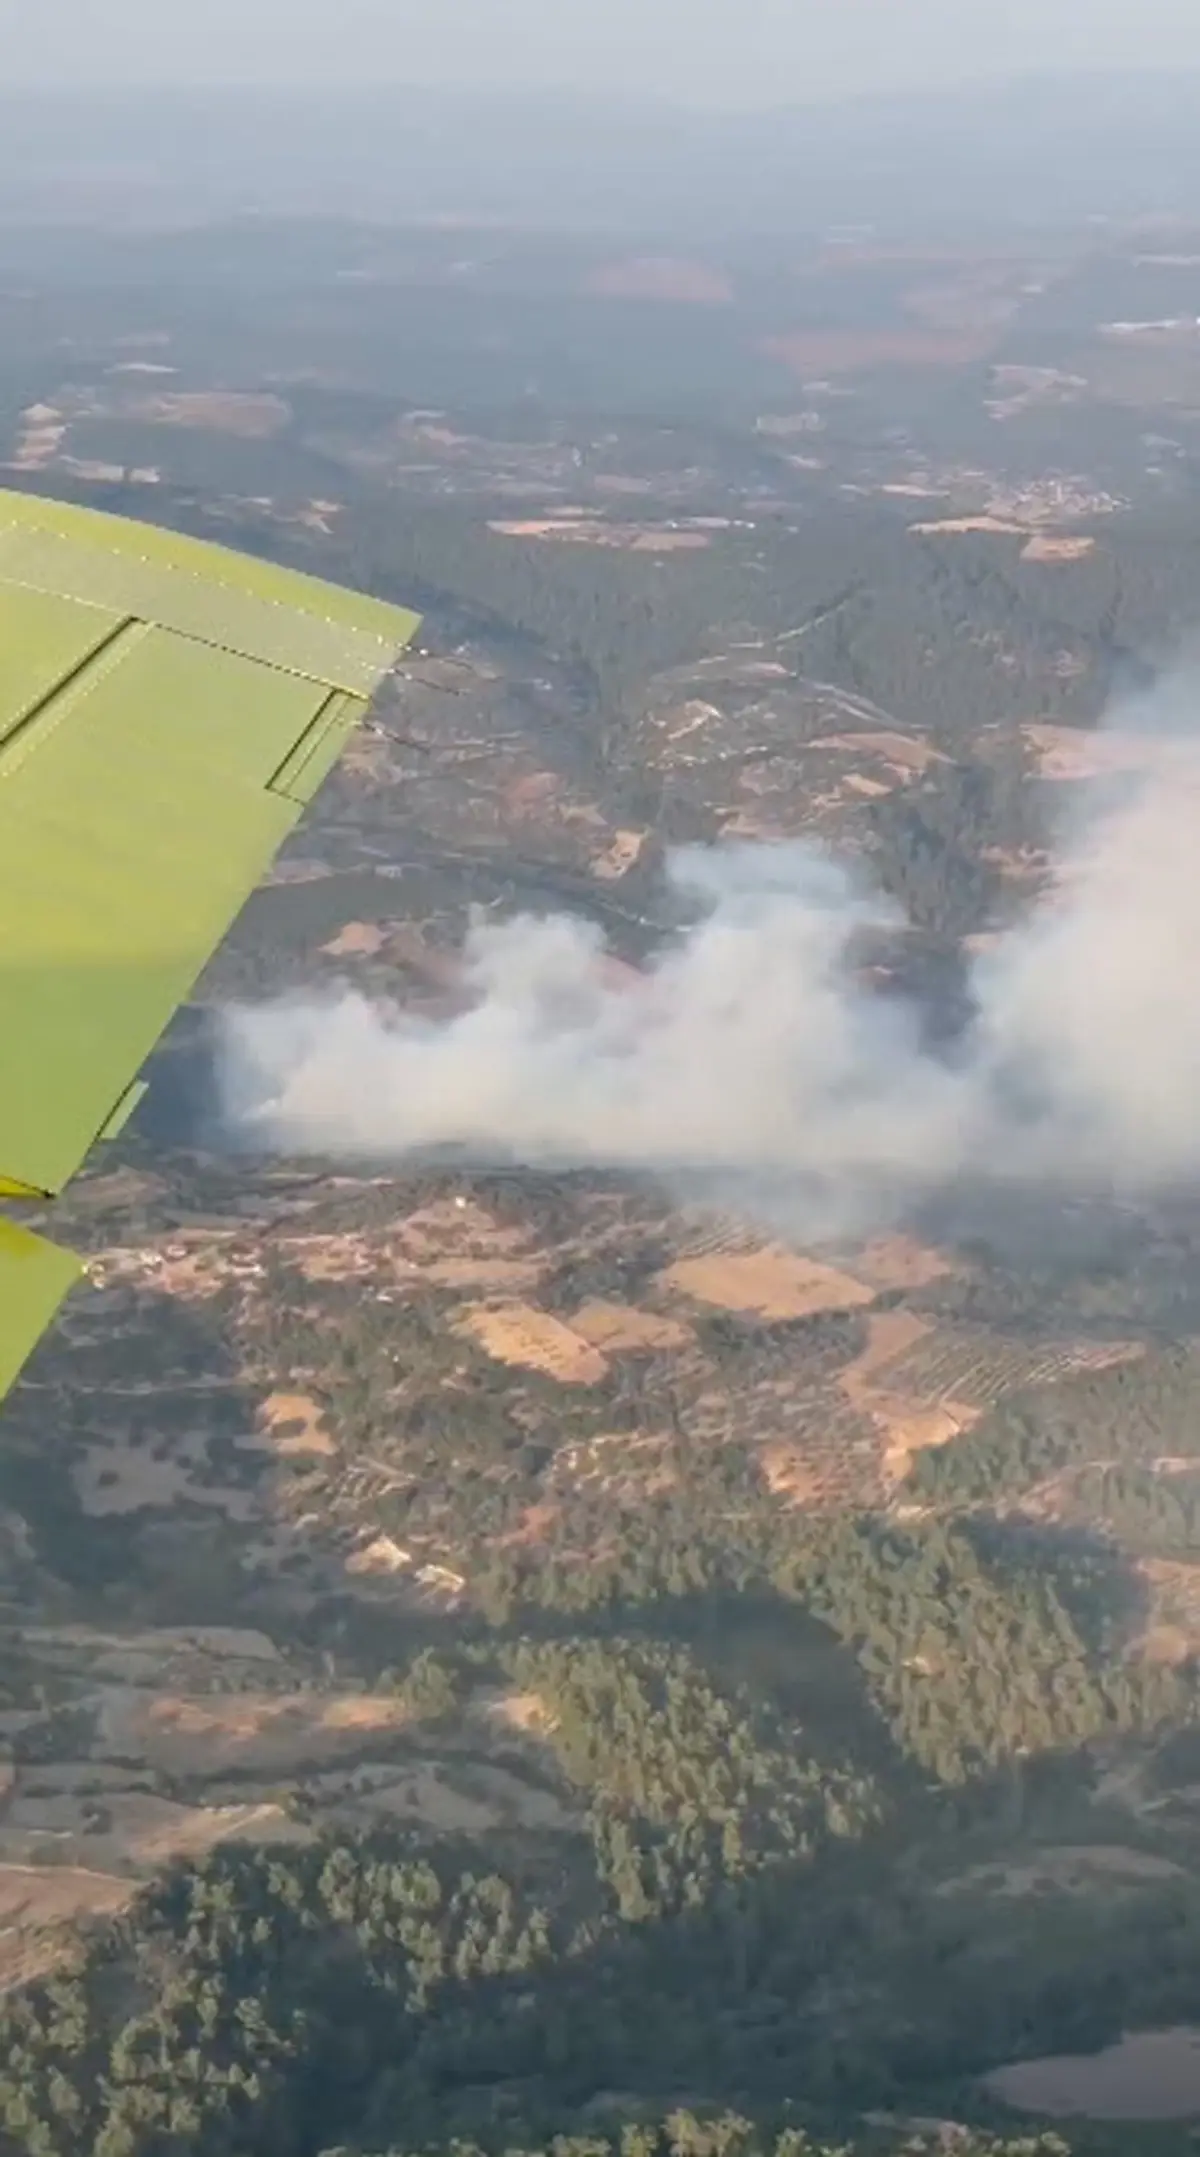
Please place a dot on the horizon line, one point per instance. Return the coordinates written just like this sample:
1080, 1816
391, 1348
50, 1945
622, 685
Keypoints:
1121, 78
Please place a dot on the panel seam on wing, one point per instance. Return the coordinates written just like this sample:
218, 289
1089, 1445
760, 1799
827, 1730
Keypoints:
338, 715
215, 643
209, 580
46, 717
18, 717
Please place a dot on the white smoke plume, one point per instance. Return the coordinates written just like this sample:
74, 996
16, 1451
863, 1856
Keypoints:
752, 1054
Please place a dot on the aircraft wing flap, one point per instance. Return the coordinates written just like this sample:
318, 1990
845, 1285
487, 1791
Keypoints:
145, 787
312, 757
136, 815
44, 638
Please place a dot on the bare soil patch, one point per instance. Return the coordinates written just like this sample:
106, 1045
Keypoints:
1107, 1356
889, 1335
380, 1557
497, 1275
661, 277
770, 1282
292, 1423
536, 527
526, 1713
206, 1735
444, 1247
533, 1526
191, 1267
791, 1473
1154, 2075
943, 526
154, 1830
41, 434
907, 1425
329, 1258
43, 1894
251, 418
623, 853
620, 1327
599, 532
826, 352
130, 1829
874, 789
358, 940
39, 1906
1043, 547
900, 1262
1167, 1644
520, 1334
449, 1227
650, 541
1174, 1629
906, 753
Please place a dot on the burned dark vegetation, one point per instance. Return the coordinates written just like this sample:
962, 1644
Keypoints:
514, 1659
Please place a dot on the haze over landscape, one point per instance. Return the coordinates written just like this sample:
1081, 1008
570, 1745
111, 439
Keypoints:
745, 52
607, 1561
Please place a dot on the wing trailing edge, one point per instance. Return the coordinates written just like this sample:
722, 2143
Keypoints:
168, 709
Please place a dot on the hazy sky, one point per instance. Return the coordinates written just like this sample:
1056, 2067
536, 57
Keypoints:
709, 51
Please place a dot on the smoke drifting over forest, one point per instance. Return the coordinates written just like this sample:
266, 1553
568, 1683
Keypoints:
754, 1059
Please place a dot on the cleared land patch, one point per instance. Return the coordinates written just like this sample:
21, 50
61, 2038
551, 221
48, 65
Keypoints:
900, 1262
520, 1334
1045, 548
124, 1830
909, 1425
770, 1282
250, 417
292, 1423
358, 940
599, 532
661, 277
39, 1904
207, 1736
623, 853
620, 1327
526, 1713
906, 755
942, 526
1154, 2075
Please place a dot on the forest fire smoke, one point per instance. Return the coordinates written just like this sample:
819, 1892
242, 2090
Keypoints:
752, 1055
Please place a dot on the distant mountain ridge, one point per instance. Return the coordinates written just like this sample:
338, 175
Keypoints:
1041, 150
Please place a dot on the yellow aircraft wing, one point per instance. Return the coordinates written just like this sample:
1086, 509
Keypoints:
168, 709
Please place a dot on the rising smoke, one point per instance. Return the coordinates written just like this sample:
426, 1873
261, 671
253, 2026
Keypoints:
752, 1058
